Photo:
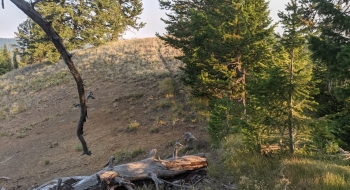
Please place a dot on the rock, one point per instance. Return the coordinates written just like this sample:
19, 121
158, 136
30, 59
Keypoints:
54, 144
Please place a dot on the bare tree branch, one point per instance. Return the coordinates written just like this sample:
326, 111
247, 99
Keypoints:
66, 56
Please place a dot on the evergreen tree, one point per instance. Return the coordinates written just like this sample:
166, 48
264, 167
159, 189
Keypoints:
226, 47
14, 59
330, 46
223, 119
298, 66
24, 38
179, 31
79, 23
5, 60
217, 39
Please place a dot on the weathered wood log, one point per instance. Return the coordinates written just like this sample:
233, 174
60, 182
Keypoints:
125, 174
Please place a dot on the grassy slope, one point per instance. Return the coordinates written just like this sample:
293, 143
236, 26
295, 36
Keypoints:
135, 110
132, 60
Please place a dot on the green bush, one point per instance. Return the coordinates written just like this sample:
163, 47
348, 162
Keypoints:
133, 126
224, 119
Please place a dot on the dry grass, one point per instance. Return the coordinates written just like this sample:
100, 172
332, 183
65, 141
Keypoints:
127, 59
4, 133
133, 126
126, 156
280, 171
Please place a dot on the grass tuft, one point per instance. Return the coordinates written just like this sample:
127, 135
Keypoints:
5, 134
133, 126
166, 86
154, 129
79, 148
125, 156
47, 162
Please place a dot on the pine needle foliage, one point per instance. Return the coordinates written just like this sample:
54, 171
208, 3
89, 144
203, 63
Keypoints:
297, 69
226, 48
5, 60
79, 23
330, 49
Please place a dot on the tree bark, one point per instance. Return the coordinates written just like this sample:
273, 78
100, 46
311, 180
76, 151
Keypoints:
56, 40
290, 104
125, 174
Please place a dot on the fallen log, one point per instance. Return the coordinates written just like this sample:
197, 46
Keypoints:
112, 177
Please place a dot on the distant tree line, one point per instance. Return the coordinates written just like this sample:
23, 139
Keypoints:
7, 42
290, 89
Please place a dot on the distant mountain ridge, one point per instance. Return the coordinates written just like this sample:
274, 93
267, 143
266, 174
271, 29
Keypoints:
8, 42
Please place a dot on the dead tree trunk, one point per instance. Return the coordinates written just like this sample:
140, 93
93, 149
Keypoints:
125, 174
29, 10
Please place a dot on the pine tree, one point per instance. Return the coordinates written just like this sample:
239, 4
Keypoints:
217, 41
298, 69
23, 39
330, 46
5, 61
14, 59
179, 33
226, 47
78, 24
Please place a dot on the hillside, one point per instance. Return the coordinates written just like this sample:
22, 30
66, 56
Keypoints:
135, 110
8, 42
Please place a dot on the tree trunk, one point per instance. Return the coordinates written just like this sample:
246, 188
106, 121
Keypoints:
290, 105
125, 174
56, 40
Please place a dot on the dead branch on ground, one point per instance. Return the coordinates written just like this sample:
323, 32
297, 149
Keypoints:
126, 175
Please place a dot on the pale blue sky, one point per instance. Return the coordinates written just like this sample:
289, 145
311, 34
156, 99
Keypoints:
11, 17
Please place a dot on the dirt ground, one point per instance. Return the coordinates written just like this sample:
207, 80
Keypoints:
44, 142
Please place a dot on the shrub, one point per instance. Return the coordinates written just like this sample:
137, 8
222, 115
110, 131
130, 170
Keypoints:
4, 134
166, 86
223, 118
154, 129
17, 107
47, 162
79, 148
133, 126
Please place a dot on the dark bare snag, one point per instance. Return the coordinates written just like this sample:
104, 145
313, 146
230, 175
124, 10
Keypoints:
56, 40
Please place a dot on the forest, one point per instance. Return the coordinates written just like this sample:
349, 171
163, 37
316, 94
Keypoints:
290, 90
265, 94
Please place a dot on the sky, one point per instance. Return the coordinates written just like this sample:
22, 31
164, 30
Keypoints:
11, 17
